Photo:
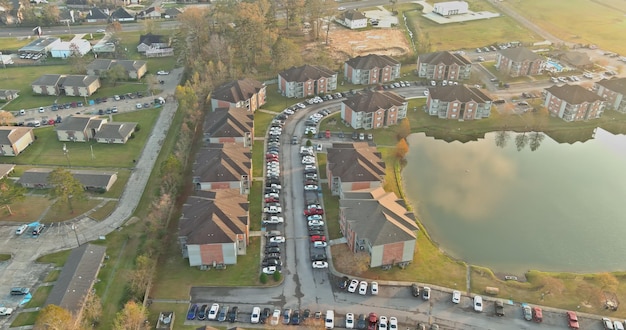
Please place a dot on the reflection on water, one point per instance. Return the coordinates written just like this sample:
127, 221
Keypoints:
515, 204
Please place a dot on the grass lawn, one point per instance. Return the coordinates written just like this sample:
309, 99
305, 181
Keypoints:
52, 276
331, 213
14, 43
49, 150
57, 258
40, 296
258, 158
61, 211
5, 257
117, 189
175, 278
596, 22
28, 210
26, 318
261, 122
255, 208
103, 212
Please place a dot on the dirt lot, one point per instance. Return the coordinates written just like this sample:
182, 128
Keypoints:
346, 43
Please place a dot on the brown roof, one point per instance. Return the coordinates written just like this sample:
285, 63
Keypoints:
228, 122
77, 277
371, 61
371, 101
215, 216
519, 54
616, 85
355, 162
379, 216
306, 73
460, 93
576, 58
222, 163
238, 90
444, 57
573, 94
11, 134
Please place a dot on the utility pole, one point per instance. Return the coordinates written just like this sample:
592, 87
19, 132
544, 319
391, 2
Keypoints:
67, 155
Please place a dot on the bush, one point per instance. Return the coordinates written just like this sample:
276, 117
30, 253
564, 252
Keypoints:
277, 276
263, 278
309, 143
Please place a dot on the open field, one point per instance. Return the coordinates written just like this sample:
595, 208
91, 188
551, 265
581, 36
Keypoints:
27, 210
596, 22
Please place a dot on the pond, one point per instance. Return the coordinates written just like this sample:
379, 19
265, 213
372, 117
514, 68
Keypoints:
516, 202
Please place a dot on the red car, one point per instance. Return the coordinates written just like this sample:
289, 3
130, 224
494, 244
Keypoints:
272, 200
313, 212
372, 320
573, 320
318, 238
271, 157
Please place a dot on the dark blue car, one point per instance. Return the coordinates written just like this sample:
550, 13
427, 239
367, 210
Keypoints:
191, 314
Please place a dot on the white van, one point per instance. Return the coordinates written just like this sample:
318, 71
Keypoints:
21, 229
329, 321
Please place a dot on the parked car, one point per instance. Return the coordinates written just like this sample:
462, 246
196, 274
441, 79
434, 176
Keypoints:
478, 304
456, 296
5, 311
415, 290
393, 323
275, 317
212, 315
320, 264
374, 288
221, 316
499, 306
372, 321
426, 293
361, 323
572, 320
382, 323
528, 313
349, 321
607, 323
21, 229
191, 313
295, 317
233, 315
265, 314
362, 288
286, 315
354, 284
537, 314
202, 312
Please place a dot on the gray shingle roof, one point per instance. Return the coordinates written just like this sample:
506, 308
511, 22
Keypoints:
48, 80
444, 57
115, 130
100, 64
372, 101
616, 85
215, 216
238, 90
306, 73
573, 94
76, 123
460, 93
222, 163
121, 13
354, 15
88, 178
355, 162
77, 277
519, 54
96, 13
79, 80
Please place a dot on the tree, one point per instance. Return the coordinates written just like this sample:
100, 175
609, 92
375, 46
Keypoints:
502, 138
402, 148
404, 129
5, 117
149, 26
92, 310
77, 60
285, 54
10, 193
114, 27
132, 317
65, 187
141, 276
53, 317
115, 74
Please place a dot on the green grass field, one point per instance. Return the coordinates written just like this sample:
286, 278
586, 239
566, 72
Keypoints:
601, 22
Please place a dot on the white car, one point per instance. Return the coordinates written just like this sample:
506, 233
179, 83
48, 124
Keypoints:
478, 304
310, 167
4, 311
314, 217
456, 296
374, 288
393, 323
319, 147
308, 161
215, 308
382, 323
341, 8
363, 288
426, 293
320, 264
426, 92
617, 325
269, 270
349, 321
21, 229
274, 220
319, 244
353, 285
316, 223
275, 317
277, 239
100, 31
162, 73
256, 315
273, 209
138, 106
310, 187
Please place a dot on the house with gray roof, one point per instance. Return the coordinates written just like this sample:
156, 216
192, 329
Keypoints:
306, 80
573, 103
48, 84
443, 66
40, 45
115, 132
14, 139
172, 12
79, 128
353, 19
614, 92
371, 69
223, 166
243, 93
519, 61
91, 180
377, 222
372, 109
458, 102
229, 125
8, 94
135, 69
354, 166
149, 40
80, 85
97, 15
77, 278
214, 228
122, 14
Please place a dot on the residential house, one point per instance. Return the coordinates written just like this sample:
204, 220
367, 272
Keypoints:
519, 61
48, 84
373, 109
115, 132
614, 92
135, 69
78, 4
229, 125
223, 166
79, 128
244, 93
80, 85
66, 16
458, 102
76, 47
149, 41
90, 180
306, 80
578, 60
8, 94
14, 139
377, 223
354, 166
214, 228
573, 103
40, 45
122, 14
371, 69
172, 13
6, 170
76, 280
150, 13
443, 66
450, 8
97, 15
353, 19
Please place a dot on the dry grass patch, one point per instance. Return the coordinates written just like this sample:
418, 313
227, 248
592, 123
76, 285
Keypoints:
28, 210
104, 211
62, 212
